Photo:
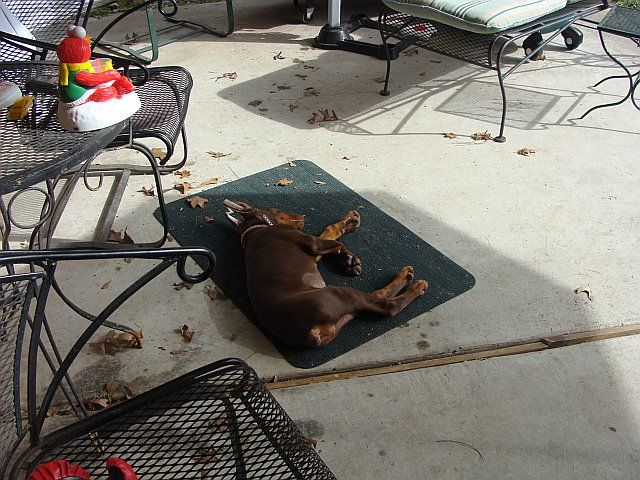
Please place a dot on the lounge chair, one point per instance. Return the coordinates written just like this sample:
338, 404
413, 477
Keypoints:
481, 31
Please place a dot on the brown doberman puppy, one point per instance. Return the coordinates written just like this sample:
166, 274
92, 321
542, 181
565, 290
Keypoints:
286, 289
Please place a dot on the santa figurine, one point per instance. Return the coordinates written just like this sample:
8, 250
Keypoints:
62, 470
92, 94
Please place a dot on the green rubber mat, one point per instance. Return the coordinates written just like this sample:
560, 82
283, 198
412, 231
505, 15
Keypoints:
383, 244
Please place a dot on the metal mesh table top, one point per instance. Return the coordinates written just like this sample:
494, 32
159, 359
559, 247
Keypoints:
621, 21
37, 148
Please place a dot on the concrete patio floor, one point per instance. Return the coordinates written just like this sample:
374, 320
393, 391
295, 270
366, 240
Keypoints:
530, 229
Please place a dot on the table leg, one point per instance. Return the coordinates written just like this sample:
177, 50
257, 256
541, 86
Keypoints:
628, 75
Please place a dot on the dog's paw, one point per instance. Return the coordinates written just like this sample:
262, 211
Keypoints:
420, 286
351, 221
351, 264
406, 274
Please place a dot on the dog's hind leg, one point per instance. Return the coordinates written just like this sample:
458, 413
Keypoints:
402, 280
348, 224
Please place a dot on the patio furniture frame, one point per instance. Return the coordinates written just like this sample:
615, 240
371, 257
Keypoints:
153, 35
485, 50
48, 21
217, 420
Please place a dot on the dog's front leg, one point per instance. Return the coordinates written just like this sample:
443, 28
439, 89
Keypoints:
320, 247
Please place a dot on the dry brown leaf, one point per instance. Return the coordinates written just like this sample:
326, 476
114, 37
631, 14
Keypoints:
126, 238
120, 237
208, 218
410, 51
181, 285
320, 182
255, 103
158, 153
182, 187
175, 353
229, 75
379, 79
148, 192
117, 392
56, 411
206, 455
24, 244
481, 136
312, 441
526, 151
314, 118
105, 285
186, 333
114, 342
211, 292
586, 289
297, 60
278, 56
310, 67
450, 135
197, 201
283, 182
219, 424
170, 237
292, 107
541, 57
182, 173
96, 403
218, 154
326, 117
310, 92
210, 181
127, 259
284, 87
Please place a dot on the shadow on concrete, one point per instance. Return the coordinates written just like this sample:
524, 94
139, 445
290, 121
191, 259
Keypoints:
510, 302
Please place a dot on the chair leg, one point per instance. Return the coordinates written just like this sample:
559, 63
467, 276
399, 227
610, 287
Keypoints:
501, 138
385, 47
160, 194
172, 167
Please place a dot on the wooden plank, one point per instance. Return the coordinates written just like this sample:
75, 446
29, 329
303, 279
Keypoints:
544, 343
404, 367
590, 336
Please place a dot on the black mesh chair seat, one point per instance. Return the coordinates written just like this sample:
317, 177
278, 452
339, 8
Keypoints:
44, 22
216, 422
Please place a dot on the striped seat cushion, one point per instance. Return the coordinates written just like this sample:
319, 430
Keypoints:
480, 16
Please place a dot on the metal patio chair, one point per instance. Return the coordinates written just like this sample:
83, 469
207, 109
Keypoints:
168, 9
218, 421
48, 20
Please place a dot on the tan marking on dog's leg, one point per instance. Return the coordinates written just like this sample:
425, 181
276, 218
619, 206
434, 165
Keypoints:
417, 288
404, 278
348, 224
323, 334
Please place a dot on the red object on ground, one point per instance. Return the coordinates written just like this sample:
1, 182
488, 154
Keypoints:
59, 470
120, 470
63, 470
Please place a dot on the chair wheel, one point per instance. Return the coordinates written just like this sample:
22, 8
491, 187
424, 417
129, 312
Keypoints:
307, 15
532, 42
572, 37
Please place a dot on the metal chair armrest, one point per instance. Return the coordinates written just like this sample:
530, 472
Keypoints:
41, 257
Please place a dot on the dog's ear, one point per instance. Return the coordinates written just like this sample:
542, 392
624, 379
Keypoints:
239, 207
